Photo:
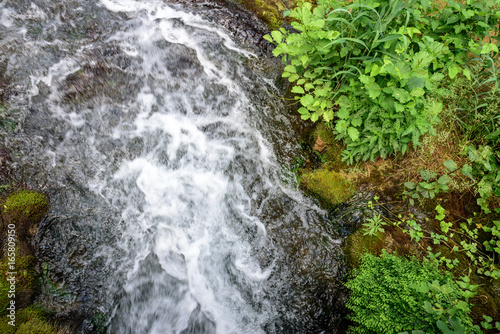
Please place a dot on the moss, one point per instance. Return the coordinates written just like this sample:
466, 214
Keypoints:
321, 130
393, 240
32, 320
99, 322
323, 140
359, 244
25, 281
328, 186
35, 325
5, 328
269, 11
26, 206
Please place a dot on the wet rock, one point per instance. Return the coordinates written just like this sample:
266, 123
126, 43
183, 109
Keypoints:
242, 24
5, 157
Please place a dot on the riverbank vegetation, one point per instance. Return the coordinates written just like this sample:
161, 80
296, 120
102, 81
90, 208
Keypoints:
20, 213
408, 90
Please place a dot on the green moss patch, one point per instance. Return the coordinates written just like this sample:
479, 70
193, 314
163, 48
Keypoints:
36, 325
269, 11
26, 206
29, 319
392, 240
359, 244
25, 281
328, 186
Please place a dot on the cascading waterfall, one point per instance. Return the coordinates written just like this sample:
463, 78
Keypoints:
158, 141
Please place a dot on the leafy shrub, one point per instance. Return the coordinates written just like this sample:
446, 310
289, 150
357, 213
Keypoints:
476, 111
391, 294
373, 65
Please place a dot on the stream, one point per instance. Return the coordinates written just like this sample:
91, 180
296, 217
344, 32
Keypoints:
156, 131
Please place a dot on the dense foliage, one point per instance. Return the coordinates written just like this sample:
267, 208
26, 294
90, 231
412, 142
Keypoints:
375, 66
391, 294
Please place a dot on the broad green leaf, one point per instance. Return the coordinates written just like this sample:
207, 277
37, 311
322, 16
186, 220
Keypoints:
467, 13
426, 185
410, 185
290, 68
314, 117
318, 24
435, 24
343, 113
427, 174
453, 70
435, 107
444, 179
366, 79
412, 30
375, 70
353, 133
292, 77
307, 100
467, 170
450, 165
399, 107
467, 73
374, 90
308, 86
303, 111
277, 36
298, 90
417, 92
341, 126
489, 47
415, 82
304, 59
409, 130
422, 60
357, 121
401, 95
328, 115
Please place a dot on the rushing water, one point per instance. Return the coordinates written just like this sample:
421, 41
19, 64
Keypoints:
161, 146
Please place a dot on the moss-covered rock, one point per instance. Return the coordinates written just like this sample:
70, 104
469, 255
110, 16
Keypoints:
359, 244
269, 11
26, 206
25, 281
393, 240
28, 317
328, 186
323, 144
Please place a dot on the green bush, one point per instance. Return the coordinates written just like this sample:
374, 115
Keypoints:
391, 294
372, 66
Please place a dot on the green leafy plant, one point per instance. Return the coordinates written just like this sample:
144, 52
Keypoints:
453, 326
373, 226
429, 187
373, 66
464, 239
485, 167
392, 294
